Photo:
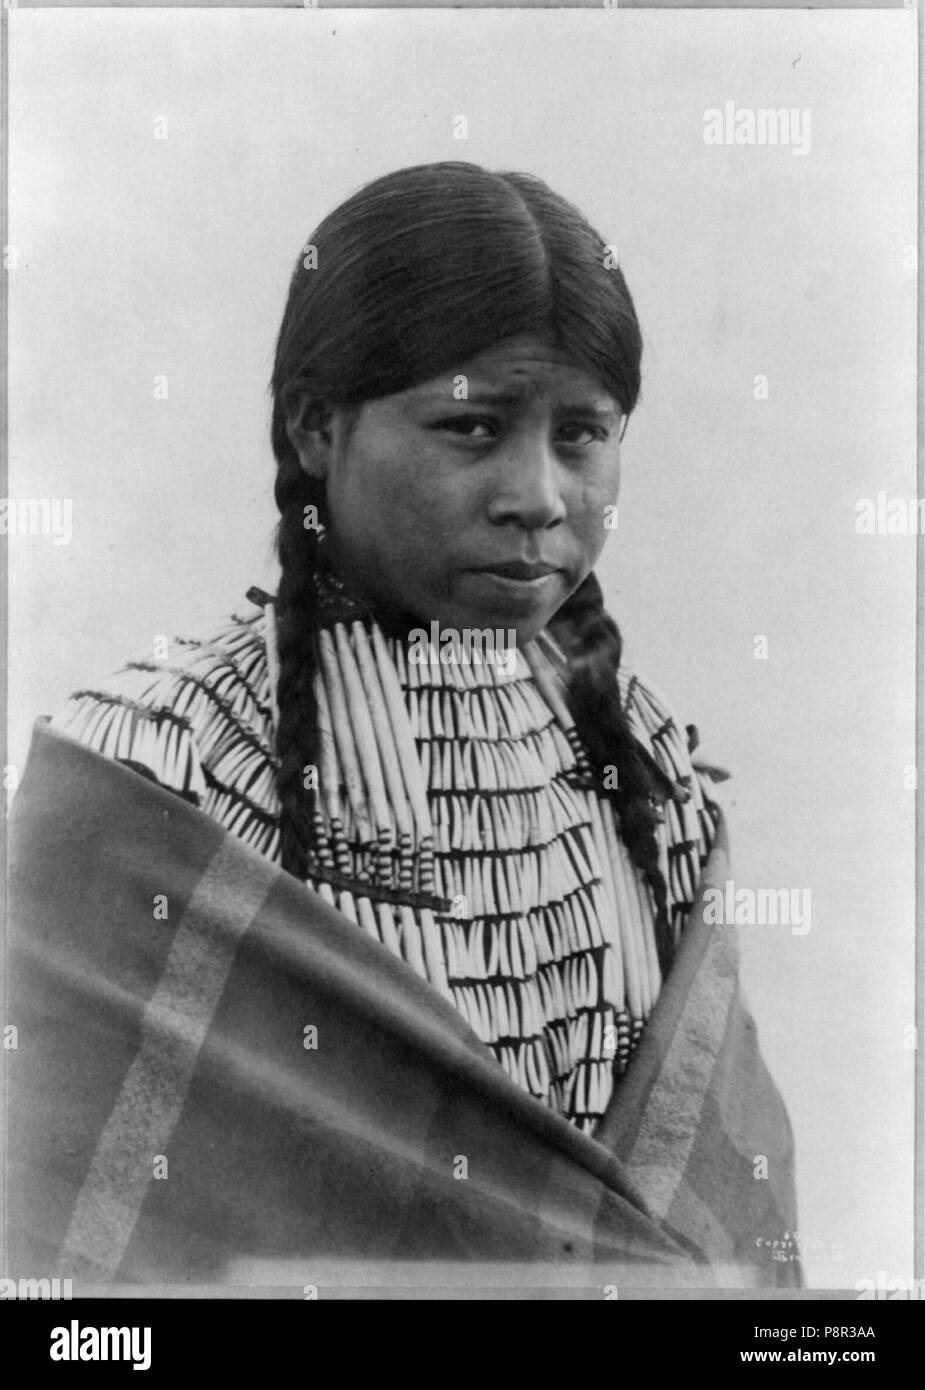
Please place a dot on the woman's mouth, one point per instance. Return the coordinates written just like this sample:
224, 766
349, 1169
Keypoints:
522, 587
520, 571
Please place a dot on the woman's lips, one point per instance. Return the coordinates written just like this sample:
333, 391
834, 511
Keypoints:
521, 571
518, 587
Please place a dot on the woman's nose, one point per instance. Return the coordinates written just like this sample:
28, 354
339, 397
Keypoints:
527, 486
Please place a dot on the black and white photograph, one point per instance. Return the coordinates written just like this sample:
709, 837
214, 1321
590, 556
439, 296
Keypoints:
461, 520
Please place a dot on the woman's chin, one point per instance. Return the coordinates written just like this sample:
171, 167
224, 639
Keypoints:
490, 601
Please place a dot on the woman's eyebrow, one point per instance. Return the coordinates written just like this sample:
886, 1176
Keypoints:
442, 395
597, 409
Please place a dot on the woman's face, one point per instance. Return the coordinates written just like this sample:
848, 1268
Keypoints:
485, 511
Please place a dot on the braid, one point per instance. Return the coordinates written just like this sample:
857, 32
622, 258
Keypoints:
594, 646
296, 735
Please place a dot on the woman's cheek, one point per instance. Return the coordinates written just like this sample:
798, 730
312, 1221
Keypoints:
595, 545
597, 520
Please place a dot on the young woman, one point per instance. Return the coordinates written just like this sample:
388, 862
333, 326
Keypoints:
428, 726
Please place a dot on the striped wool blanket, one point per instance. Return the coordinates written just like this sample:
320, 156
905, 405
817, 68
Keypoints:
219, 1080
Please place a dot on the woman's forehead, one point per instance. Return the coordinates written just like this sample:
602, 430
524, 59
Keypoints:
515, 370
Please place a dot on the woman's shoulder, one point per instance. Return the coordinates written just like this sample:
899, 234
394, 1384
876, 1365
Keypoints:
657, 725
673, 745
691, 817
671, 741
653, 718
190, 702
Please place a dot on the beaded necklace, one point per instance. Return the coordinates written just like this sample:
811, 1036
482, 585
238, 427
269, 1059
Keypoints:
457, 823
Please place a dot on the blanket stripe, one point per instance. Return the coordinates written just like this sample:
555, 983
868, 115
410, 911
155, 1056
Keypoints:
682, 1061
176, 1021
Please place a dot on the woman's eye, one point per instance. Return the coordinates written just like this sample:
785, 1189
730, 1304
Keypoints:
581, 434
468, 427
478, 429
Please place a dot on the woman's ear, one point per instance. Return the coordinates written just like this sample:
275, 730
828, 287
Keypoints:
308, 425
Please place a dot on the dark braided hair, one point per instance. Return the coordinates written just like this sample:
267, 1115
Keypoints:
298, 712
417, 272
593, 644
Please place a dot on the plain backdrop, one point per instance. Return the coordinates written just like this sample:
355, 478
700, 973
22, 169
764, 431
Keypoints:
141, 257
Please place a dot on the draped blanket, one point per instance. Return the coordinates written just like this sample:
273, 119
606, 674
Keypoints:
218, 1078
